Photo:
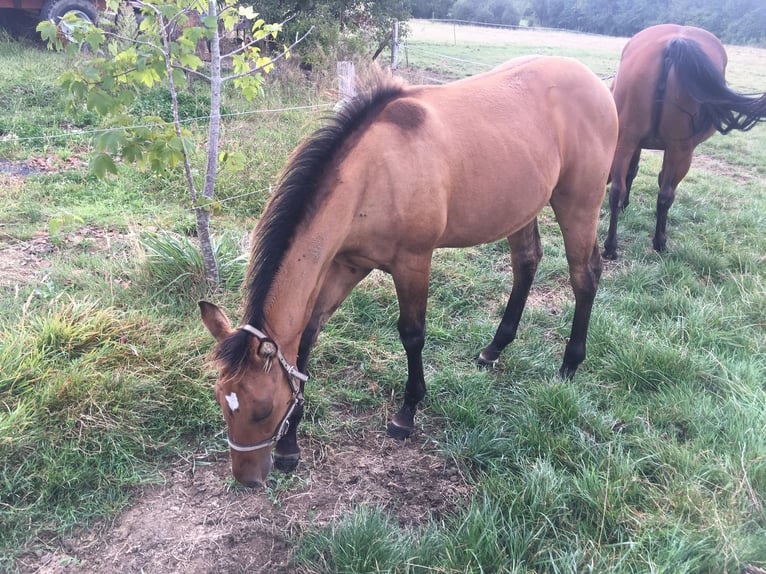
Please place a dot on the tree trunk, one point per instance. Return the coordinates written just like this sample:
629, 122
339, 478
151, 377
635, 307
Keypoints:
214, 130
202, 211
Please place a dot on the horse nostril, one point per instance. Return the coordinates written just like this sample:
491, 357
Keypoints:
253, 484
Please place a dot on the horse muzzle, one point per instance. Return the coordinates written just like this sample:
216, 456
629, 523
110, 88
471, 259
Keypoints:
251, 469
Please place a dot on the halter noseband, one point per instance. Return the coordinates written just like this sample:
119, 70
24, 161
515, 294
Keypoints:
293, 375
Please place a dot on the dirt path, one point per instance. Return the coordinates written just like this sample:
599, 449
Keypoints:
199, 521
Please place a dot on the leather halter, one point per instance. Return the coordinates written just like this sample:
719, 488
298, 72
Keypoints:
293, 376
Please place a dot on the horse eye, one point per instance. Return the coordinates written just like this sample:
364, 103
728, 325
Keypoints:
260, 415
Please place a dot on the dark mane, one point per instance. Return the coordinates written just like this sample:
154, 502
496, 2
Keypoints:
288, 207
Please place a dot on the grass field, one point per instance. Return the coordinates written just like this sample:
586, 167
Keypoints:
652, 460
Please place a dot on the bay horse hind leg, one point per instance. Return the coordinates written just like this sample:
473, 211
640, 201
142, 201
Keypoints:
578, 223
675, 166
624, 170
630, 177
412, 292
526, 252
339, 282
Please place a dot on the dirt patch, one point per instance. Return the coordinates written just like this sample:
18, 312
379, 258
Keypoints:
709, 164
48, 164
199, 521
25, 261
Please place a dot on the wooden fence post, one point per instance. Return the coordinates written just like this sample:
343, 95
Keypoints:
395, 46
346, 81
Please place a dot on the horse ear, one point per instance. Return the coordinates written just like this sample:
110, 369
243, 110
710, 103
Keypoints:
215, 320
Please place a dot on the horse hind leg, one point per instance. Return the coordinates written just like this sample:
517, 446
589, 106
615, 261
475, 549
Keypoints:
526, 252
675, 166
631, 176
340, 280
624, 169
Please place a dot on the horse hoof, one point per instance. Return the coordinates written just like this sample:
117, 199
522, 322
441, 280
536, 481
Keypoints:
611, 255
483, 362
398, 432
286, 462
567, 373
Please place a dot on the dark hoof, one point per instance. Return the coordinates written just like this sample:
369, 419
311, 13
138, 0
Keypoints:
286, 462
398, 432
484, 362
611, 255
567, 373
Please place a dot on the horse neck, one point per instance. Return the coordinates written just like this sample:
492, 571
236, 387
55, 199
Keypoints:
305, 264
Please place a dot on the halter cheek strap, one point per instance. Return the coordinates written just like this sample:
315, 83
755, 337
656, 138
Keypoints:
293, 375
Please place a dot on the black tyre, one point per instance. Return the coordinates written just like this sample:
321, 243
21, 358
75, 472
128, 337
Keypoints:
54, 10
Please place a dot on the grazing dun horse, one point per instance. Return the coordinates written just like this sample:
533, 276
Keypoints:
671, 95
397, 173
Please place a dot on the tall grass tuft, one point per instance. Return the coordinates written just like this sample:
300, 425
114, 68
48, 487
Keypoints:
84, 414
174, 263
366, 540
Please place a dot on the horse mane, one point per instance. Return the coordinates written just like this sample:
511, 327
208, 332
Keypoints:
289, 208
720, 106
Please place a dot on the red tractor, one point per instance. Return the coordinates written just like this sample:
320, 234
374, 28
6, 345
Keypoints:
53, 9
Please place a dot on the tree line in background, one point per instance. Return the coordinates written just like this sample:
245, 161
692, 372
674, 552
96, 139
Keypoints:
344, 29
734, 21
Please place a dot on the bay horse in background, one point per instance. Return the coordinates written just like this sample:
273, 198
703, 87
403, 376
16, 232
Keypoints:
671, 95
398, 172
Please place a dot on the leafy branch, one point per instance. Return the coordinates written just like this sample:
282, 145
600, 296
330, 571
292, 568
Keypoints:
164, 50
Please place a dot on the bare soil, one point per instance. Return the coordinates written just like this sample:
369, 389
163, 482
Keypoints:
200, 521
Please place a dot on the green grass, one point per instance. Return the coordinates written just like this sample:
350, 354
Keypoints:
652, 460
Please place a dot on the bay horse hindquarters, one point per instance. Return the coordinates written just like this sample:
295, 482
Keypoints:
671, 94
397, 173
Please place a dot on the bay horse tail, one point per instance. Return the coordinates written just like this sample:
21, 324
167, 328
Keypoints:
720, 106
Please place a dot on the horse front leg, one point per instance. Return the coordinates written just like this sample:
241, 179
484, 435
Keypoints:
584, 276
675, 166
412, 293
526, 252
577, 214
338, 284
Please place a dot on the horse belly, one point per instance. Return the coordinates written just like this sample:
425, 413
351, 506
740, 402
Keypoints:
496, 210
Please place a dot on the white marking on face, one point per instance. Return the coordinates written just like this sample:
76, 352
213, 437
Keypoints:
231, 398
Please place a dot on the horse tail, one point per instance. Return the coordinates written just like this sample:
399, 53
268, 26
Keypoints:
720, 106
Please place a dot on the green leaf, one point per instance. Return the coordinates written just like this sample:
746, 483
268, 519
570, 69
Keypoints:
94, 37
110, 141
191, 61
247, 12
49, 33
101, 164
176, 144
100, 102
132, 152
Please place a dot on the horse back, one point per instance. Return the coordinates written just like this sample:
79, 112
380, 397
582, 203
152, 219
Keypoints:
475, 160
